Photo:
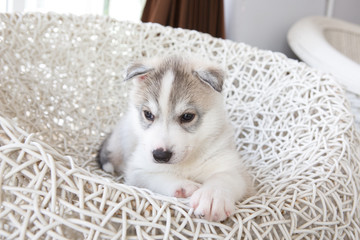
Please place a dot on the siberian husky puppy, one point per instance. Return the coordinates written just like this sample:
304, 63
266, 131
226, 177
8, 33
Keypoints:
175, 138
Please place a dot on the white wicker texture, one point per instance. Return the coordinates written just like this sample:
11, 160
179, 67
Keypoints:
61, 81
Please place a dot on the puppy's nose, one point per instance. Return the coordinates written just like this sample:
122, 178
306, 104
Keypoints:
161, 156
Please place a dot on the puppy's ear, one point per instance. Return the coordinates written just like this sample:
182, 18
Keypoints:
212, 76
137, 70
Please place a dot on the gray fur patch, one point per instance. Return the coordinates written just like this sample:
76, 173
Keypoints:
102, 156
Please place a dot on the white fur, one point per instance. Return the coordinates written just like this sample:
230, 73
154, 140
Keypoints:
159, 134
205, 165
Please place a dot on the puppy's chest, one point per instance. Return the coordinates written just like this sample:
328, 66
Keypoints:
197, 171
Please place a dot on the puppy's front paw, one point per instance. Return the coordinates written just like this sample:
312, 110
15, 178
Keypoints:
186, 189
212, 204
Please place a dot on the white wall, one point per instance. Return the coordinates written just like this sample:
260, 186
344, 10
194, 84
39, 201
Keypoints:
264, 23
348, 10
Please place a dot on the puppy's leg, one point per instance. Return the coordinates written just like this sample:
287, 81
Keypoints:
186, 189
215, 200
103, 157
163, 183
116, 148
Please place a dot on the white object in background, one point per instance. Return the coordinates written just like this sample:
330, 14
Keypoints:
126, 10
330, 45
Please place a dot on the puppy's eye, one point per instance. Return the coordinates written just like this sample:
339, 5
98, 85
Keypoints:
187, 117
148, 115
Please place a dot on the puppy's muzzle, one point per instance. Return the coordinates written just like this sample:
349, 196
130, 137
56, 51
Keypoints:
161, 155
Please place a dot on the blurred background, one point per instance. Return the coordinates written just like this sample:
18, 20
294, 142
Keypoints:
260, 23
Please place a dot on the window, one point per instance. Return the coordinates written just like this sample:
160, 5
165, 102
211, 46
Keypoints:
119, 9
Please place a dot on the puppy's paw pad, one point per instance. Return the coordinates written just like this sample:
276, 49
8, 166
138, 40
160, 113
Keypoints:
212, 204
186, 189
180, 193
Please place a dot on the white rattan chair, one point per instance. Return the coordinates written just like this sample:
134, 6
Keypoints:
329, 44
61, 91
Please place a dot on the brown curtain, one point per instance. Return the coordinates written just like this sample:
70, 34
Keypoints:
202, 15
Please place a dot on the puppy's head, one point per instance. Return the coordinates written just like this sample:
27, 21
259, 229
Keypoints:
177, 106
